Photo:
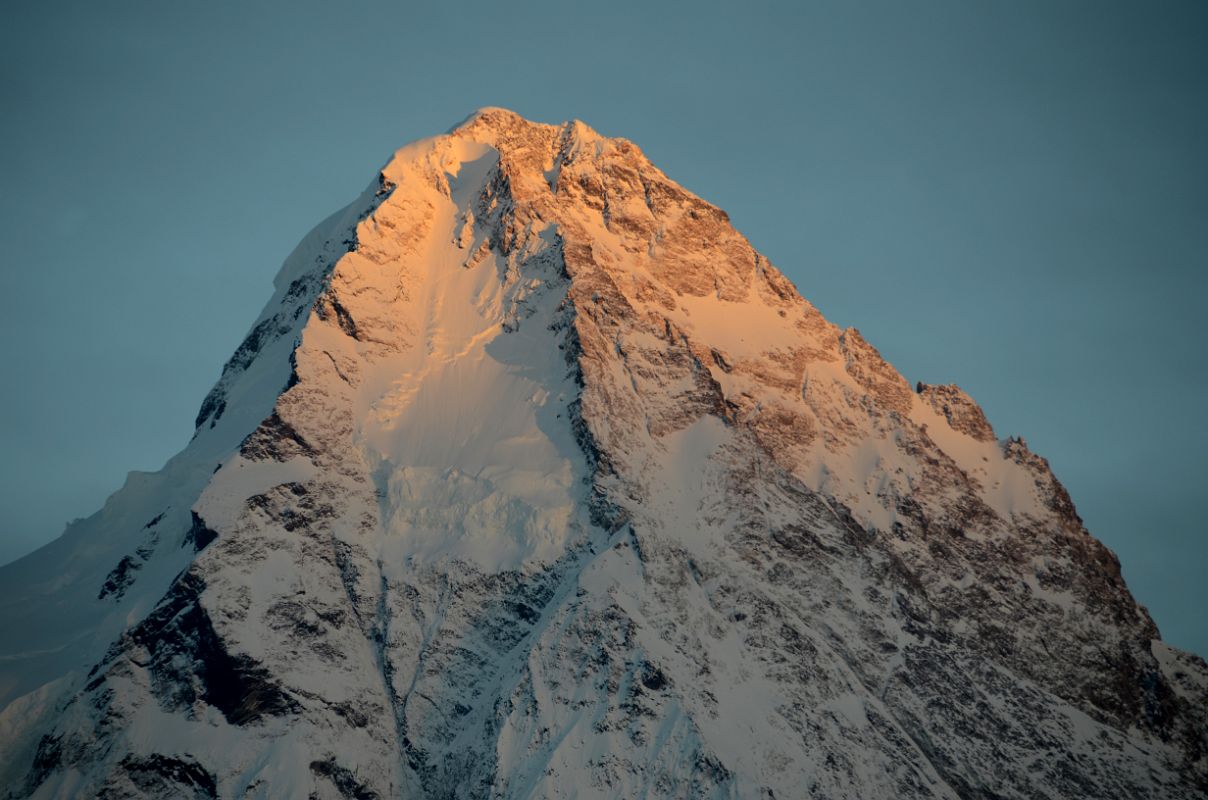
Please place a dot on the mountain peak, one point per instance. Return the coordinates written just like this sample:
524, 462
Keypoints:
534, 478
494, 124
492, 117
499, 118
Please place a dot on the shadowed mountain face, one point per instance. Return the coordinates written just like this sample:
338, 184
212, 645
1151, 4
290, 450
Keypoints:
534, 479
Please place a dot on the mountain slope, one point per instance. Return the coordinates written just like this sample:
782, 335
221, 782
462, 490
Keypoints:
535, 479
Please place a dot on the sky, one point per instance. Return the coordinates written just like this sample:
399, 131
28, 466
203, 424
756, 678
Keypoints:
1011, 196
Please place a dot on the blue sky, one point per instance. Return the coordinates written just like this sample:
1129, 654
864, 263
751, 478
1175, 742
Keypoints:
1012, 197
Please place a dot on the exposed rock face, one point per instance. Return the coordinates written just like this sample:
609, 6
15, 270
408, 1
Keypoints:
958, 408
535, 479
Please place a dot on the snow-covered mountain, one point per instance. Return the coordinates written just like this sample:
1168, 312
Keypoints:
534, 479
